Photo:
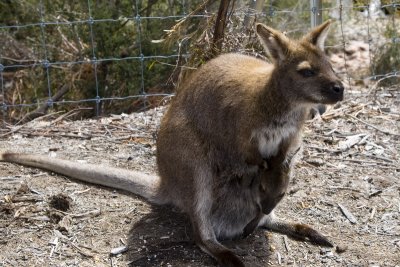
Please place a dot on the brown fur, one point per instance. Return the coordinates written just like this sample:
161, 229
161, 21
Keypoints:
225, 146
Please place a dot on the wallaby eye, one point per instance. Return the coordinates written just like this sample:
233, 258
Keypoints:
306, 73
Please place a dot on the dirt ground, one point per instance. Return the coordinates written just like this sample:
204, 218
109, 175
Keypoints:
346, 185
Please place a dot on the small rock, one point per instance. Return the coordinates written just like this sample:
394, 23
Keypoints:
23, 188
65, 224
324, 251
341, 249
338, 259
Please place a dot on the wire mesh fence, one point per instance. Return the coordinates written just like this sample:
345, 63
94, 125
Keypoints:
99, 54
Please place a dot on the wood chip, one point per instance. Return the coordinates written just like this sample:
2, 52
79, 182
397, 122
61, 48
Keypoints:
26, 198
93, 213
23, 188
279, 258
347, 214
53, 244
377, 192
351, 141
65, 224
372, 213
286, 243
118, 250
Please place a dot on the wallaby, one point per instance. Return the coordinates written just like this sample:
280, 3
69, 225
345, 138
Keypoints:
226, 144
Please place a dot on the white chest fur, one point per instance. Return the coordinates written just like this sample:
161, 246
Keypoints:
269, 138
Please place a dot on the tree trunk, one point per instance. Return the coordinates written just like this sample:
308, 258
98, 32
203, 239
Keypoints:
220, 24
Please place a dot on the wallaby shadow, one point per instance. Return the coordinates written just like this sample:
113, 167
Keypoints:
163, 237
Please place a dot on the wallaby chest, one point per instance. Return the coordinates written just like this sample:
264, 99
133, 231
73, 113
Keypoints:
269, 136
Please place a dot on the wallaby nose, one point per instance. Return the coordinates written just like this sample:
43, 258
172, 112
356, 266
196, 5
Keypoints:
333, 92
337, 88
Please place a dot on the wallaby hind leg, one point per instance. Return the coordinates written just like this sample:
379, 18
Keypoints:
295, 230
205, 238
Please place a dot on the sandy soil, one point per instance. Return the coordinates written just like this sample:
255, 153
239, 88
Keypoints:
351, 158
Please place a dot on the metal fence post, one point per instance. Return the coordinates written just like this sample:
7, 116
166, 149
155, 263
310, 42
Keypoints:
316, 12
255, 6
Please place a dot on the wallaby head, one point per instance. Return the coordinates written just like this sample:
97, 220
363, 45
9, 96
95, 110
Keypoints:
308, 75
274, 179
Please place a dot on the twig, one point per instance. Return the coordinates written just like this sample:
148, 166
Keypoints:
279, 257
54, 245
352, 141
377, 192
69, 113
81, 192
91, 213
372, 213
19, 60
344, 188
323, 149
41, 110
373, 126
9, 178
364, 161
16, 129
132, 137
82, 251
379, 157
61, 135
286, 243
375, 86
33, 198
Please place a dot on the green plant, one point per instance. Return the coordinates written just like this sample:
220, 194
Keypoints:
387, 59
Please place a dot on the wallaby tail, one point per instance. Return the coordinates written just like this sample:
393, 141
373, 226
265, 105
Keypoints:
132, 181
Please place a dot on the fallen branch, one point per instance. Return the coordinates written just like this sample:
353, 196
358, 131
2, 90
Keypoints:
41, 110
17, 128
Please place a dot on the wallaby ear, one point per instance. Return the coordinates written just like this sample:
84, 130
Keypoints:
318, 35
275, 42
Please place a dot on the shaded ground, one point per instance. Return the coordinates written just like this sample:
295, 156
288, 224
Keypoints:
351, 158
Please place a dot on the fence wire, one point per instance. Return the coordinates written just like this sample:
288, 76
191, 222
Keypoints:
341, 12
